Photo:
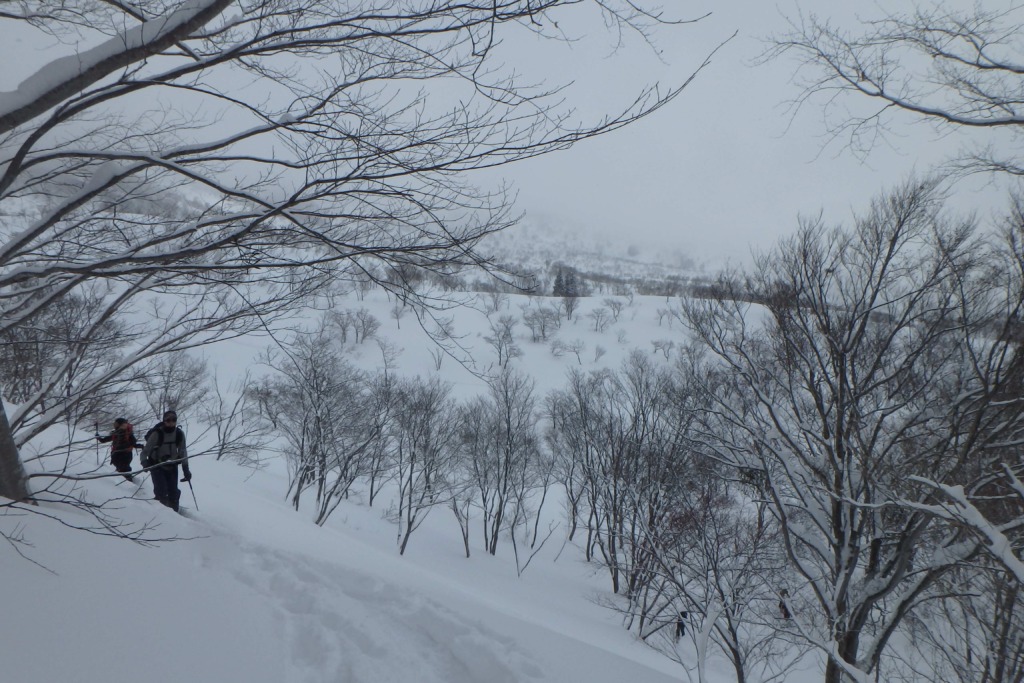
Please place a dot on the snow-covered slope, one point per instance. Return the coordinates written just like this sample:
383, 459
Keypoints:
257, 593
253, 591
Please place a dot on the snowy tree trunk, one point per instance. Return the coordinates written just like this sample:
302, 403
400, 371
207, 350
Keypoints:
13, 481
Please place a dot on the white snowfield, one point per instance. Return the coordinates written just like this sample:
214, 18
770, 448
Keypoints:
261, 594
255, 592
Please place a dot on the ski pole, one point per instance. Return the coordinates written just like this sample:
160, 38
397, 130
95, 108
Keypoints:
194, 501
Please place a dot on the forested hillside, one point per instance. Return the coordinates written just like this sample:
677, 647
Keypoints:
293, 388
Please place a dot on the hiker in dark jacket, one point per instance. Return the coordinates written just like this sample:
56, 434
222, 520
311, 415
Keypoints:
122, 441
164, 450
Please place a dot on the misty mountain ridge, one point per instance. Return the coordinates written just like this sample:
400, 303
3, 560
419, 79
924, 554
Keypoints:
609, 263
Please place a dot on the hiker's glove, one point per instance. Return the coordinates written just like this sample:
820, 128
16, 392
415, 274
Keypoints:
187, 477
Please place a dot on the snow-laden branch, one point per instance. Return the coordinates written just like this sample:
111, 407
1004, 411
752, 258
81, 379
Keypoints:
960, 509
66, 76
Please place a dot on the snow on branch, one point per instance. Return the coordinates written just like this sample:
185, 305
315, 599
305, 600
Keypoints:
960, 509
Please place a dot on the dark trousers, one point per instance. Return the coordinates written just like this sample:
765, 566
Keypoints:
122, 462
165, 485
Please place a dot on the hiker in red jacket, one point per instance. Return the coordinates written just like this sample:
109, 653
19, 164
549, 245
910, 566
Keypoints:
122, 442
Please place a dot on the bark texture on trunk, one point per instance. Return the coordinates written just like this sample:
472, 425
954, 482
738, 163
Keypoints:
13, 481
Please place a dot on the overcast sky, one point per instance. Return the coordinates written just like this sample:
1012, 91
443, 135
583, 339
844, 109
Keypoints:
727, 166
724, 168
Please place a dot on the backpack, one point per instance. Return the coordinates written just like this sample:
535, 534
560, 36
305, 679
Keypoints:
122, 439
179, 437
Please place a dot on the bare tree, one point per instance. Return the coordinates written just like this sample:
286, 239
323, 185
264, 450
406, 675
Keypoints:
323, 167
576, 347
956, 68
341, 322
397, 313
495, 301
502, 339
615, 306
30, 355
324, 409
622, 459
175, 381
567, 412
601, 317
378, 461
500, 445
722, 566
423, 438
241, 435
569, 304
881, 358
364, 324
665, 346
541, 321
992, 504
972, 631
461, 505
530, 320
